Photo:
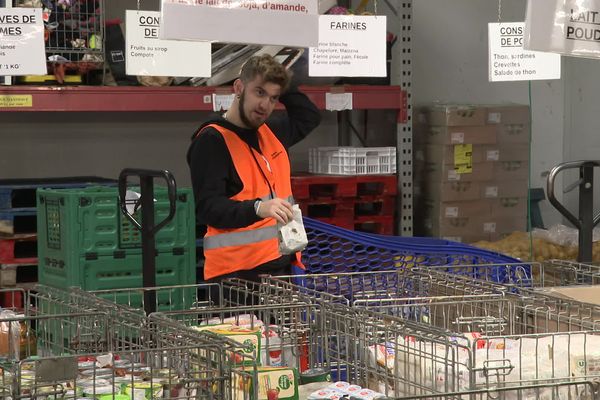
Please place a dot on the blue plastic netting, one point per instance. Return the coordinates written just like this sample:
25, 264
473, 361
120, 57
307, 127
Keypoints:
336, 250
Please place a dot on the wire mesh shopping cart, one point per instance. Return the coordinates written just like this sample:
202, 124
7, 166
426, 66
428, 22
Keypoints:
65, 347
448, 314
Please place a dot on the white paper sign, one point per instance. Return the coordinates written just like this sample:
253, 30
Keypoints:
570, 27
453, 175
489, 227
491, 191
349, 46
291, 23
493, 155
22, 49
146, 54
222, 102
508, 61
451, 212
338, 101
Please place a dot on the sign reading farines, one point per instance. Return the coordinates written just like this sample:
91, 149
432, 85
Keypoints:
570, 27
349, 45
293, 23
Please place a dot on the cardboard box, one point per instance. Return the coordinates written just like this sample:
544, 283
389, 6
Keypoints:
567, 321
455, 115
498, 228
445, 154
462, 229
458, 209
508, 114
437, 172
509, 207
475, 226
583, 293
511, 170
484, 134
467, 238
503, 152
495, 190
279, 383
452, 191
513, 133
439, 225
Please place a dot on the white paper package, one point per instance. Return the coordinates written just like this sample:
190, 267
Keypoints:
444, 367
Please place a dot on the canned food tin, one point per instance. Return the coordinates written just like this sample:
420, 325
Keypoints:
315, 375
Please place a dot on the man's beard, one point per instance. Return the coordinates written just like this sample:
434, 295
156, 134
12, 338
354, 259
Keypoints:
245, 120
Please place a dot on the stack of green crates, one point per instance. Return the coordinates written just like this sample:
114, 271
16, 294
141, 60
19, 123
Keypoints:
84, 240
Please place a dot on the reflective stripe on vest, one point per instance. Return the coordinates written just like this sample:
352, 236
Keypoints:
240, 238
243, 237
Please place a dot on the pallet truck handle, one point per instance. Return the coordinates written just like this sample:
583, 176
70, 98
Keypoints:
586, 221
148, 227
145, 173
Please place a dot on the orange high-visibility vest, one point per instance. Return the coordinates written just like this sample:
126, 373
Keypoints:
231, 250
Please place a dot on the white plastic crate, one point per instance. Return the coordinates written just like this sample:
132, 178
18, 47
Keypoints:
352, 160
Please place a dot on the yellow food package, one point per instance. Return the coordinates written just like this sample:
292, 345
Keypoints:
249, 340
274, 383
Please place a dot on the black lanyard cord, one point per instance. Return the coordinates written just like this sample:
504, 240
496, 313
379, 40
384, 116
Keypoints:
272, 193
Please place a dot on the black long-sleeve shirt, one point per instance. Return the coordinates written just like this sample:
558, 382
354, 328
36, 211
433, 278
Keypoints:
214, 178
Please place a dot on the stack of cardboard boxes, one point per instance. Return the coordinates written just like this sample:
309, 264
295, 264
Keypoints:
471, 171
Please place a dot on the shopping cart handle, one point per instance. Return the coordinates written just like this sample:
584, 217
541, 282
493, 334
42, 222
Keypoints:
503, 368
550, 189
145, 173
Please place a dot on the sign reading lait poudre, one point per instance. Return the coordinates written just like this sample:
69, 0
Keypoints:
150, 56
349, 46
22, 42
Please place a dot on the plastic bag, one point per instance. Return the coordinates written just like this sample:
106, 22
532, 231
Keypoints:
10, 335
563, 235
292, 236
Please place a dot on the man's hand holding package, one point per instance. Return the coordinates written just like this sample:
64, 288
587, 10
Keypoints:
276, 208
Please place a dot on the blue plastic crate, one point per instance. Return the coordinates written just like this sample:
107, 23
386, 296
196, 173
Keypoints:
18, 194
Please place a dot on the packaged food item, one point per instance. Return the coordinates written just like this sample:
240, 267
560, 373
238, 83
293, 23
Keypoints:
84, 365
169, 380
248, 321
250, 344
97, 372
115, 397
327, 394
144, 390
10, 335
342, 386
272, 351
367, 394
315, 375
274, 383
97, 391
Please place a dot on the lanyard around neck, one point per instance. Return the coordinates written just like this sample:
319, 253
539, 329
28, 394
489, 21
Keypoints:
271, 191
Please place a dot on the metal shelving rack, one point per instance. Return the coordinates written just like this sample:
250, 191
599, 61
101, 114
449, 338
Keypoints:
140, 99
404, 139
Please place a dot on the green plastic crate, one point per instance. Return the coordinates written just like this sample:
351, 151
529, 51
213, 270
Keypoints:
111, 273
75, 223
